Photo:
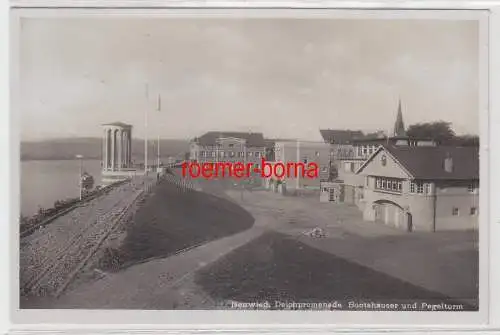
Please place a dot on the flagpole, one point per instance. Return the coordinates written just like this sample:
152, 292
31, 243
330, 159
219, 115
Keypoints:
158, 147
146, 132
298, 160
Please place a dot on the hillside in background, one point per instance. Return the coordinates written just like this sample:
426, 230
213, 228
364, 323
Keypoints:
91, 148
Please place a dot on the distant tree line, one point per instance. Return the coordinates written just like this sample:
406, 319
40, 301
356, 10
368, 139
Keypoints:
441, 132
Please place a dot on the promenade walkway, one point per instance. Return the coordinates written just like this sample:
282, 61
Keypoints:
49, 256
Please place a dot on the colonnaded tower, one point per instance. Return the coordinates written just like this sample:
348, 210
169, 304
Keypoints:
117, 147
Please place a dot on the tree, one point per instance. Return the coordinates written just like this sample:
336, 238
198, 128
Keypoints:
440, 131
467, 140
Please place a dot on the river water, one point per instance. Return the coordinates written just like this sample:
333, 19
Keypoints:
44, 182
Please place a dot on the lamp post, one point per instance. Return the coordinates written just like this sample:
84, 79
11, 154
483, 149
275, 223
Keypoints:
80, 157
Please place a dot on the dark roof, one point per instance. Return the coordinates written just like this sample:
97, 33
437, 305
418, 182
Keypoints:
340, 136
372, 138
210, 138
118, 124
428, 162
272, 141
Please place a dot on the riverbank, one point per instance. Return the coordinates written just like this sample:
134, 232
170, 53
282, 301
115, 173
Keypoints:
50, 258
61, 207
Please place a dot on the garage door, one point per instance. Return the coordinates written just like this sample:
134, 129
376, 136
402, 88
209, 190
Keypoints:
389, 214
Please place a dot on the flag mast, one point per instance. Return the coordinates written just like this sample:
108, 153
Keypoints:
146, 132
158, 147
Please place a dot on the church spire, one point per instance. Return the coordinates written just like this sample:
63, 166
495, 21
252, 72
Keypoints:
399, 127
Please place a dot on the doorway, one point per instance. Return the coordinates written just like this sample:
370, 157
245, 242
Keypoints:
331, 194
409, 221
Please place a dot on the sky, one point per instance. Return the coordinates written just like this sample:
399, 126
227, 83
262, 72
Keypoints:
284, 77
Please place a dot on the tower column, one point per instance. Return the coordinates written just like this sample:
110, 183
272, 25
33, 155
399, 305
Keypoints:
130, 147
108, 148
113, 148
103, 150
124, 148
116, 147
127, 145
120, 145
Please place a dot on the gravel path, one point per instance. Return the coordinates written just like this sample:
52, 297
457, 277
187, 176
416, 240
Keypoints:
49, 255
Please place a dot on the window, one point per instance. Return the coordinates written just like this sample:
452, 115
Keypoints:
231, 153
317, 153
214, 153
231, 145
257, 154
417, 187
347, 167
394, 185
388, 184
473, 211
202, 153
455, 211
352, 167
249, 154
428, 188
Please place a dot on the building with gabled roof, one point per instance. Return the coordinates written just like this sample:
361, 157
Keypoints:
230, 146
422, 188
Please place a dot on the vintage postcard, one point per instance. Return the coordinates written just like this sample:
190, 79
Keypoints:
263, 161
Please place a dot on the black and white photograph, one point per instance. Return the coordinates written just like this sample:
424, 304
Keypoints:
249, 163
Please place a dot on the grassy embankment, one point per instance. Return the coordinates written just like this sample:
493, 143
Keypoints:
170, 221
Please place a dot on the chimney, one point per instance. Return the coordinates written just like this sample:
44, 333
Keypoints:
448, 163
